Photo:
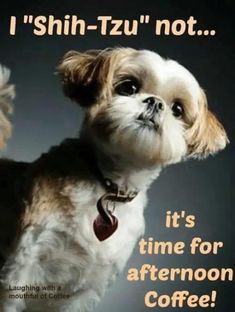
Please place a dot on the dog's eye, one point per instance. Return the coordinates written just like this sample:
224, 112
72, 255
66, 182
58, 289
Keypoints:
177, 109
127, 87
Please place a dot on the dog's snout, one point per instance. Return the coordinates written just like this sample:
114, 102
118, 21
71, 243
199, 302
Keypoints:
154, 102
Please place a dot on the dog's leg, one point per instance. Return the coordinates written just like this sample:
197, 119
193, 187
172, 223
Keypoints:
6, 95
41, 259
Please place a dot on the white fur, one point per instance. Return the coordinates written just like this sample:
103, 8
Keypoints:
46, 254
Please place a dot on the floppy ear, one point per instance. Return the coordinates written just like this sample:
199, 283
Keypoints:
207, 135
79, 73
88, 76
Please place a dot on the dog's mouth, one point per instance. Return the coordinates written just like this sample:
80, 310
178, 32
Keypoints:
147, 120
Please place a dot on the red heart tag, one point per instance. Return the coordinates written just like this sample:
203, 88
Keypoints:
103, 229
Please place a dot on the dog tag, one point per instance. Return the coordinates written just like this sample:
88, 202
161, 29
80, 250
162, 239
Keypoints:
104, 229
106, 223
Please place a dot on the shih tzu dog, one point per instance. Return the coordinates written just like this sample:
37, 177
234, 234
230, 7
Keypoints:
73, 216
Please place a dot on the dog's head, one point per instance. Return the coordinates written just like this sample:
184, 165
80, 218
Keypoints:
150, 109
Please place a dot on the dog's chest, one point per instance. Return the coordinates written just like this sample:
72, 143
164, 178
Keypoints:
103, 259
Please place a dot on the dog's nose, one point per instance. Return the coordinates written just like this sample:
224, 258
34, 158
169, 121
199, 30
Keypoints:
154, 102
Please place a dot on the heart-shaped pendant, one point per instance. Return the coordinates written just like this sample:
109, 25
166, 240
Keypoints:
106, 223
104, 229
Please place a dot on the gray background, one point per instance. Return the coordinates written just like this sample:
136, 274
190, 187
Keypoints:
43, 117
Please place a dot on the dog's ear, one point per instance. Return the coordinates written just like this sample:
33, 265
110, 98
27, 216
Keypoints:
207, 135
87, 76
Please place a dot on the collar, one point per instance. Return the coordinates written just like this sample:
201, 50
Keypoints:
106, 222
119, 192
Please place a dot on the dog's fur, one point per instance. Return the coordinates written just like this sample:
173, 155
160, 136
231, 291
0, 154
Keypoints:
7, 94
130, 139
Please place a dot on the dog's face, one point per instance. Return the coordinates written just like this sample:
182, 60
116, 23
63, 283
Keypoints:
149, 109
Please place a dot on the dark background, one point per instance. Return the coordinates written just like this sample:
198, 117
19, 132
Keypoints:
43, 117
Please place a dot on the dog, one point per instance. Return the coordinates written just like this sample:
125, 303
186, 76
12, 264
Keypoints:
76, 212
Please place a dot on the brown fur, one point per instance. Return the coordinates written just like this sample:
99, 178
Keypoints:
206, 136
87, 77
63, 166
31, 191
